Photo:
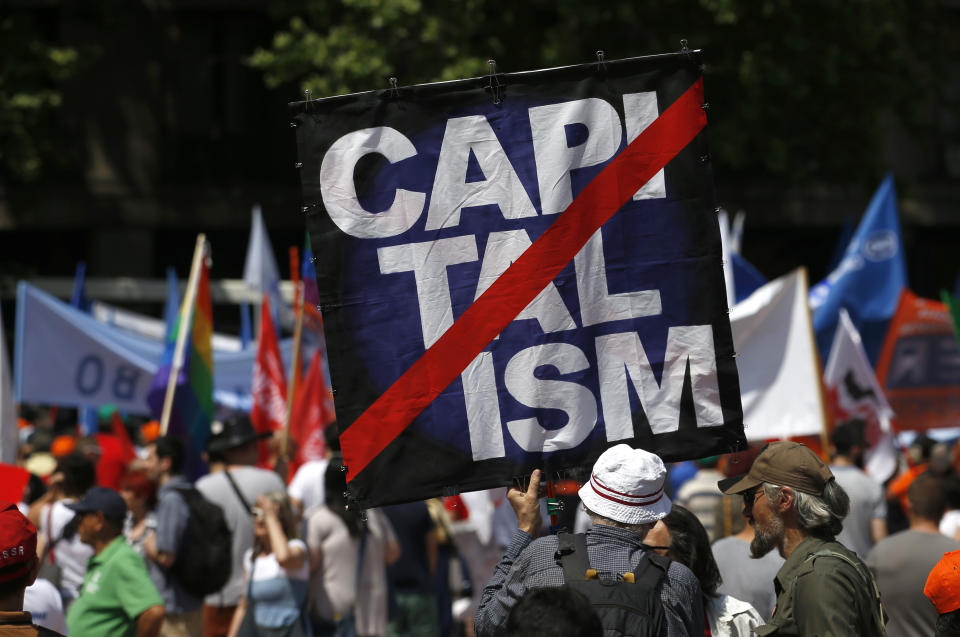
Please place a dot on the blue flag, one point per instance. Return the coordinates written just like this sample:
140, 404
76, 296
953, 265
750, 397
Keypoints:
746, 277
171, 310
78, 298
246, 326
87, 417
868, 280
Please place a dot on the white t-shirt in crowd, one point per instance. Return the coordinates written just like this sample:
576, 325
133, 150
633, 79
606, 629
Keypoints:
42, 600
70, 554
307, 484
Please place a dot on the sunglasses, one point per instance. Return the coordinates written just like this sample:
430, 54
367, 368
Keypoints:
656, 548
749, 497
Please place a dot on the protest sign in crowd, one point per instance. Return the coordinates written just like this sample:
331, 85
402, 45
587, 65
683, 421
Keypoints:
531, 388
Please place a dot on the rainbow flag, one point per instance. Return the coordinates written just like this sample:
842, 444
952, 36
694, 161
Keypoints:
192, 410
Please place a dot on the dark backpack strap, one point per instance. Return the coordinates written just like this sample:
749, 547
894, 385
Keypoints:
651, 569
866, 576
236, 490
189, 495
572, 555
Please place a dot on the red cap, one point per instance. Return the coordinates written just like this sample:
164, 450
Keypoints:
943, 583
18, 542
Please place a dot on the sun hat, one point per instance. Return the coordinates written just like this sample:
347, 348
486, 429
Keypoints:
785, 464
943, 583
18, 542
626, 485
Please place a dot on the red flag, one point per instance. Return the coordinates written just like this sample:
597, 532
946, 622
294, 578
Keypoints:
312, 412
116, 453
269, 383
13, 481
120, 431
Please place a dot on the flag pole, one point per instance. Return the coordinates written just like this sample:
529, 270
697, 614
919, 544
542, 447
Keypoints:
294, 366
825, 414
182, 330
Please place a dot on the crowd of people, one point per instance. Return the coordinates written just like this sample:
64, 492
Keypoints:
769, 541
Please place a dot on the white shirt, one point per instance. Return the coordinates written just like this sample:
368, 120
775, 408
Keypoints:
42, 600
307, 484
731, 617
267, 567
71, 554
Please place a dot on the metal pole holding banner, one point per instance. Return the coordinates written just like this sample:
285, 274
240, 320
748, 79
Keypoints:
294, 367
199, 252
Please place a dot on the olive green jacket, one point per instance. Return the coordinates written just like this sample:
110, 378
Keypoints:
820, 593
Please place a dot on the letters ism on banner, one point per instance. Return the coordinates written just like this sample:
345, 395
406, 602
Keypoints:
463, 217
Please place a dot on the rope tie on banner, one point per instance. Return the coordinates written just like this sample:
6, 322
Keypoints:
684, 48
493, 83
308, 95
601, 61
394, 91
309, 208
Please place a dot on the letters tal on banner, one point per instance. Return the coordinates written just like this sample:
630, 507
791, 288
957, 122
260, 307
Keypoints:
521, 280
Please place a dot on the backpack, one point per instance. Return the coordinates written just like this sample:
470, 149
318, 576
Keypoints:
628, 603
205, 559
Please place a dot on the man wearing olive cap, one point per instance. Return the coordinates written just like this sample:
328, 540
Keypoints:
796, 506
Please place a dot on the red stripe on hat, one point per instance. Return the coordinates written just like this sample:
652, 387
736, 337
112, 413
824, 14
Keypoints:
647, 498
626, 495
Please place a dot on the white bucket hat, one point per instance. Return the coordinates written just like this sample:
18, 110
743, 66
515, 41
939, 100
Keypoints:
626, 486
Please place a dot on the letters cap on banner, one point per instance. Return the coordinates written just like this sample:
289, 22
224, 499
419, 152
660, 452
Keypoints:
481, 318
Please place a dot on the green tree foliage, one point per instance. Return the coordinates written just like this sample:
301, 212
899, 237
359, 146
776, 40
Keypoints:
32, 72
797, 88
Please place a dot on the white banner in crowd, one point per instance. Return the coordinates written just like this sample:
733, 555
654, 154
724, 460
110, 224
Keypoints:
855, 393
66, 357
779, 379
150, 327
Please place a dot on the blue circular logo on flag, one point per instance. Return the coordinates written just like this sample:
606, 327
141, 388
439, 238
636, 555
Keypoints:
880, 245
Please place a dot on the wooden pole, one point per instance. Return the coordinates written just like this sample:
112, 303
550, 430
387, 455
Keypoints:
183, 329
294, 367
825, 414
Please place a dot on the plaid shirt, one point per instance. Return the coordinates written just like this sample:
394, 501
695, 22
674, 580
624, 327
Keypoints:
528, 564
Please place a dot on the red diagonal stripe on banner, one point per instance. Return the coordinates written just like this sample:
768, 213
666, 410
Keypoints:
440, 365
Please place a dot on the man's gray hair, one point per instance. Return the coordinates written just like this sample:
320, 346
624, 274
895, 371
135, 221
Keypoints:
818, 514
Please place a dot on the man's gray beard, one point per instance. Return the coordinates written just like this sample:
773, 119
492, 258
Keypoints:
765, 540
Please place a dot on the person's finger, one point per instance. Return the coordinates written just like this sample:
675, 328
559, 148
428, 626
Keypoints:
533, 489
